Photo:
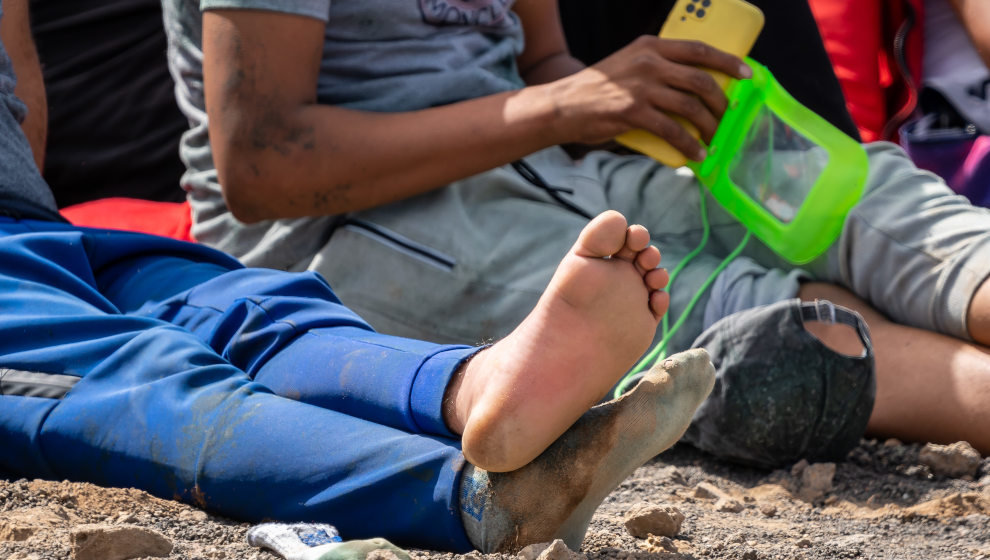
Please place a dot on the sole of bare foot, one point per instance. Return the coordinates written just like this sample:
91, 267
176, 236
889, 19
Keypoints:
595, 319
555, 495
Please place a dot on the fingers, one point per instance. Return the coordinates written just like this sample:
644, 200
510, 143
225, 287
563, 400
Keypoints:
681, 99
696, 53
679, 130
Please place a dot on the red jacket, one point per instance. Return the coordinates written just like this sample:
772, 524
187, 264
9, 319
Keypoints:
876, 50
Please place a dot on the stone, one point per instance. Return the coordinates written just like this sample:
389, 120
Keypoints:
816, 481
117, 542
956, 460
768, 510
193, 515
21, 525
657, 544
645, 519
555, 550
729, 505
707, 491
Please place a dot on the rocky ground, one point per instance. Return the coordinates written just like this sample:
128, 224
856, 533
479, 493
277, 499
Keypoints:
886, 500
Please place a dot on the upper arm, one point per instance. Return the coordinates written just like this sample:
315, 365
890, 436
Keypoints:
975, 17
543, 31
257, 65
15, 32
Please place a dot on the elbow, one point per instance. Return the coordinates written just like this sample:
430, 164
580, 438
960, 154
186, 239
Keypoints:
244, 190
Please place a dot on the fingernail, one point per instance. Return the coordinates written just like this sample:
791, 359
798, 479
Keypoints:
745, 71
702, 154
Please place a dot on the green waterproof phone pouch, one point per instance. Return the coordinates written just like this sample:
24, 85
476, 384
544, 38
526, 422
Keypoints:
782, 170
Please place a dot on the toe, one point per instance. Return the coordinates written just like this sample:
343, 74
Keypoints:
656, 279
604, 236
648, 259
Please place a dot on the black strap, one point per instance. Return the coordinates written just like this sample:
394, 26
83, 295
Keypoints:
824, 311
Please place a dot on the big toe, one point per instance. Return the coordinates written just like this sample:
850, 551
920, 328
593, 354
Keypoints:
602, 237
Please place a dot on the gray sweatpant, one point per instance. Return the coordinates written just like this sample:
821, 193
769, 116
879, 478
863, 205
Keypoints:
467, 262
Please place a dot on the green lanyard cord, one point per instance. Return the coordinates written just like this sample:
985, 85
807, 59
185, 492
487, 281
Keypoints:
659, 352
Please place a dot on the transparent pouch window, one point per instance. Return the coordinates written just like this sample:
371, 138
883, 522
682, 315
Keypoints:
776, 165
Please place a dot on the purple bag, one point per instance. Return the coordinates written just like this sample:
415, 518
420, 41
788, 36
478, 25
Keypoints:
947, 143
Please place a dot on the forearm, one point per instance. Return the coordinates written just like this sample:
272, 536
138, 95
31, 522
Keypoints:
975, 17
552, 68
318, 159
15, 32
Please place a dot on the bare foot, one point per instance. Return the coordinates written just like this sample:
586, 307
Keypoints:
595, 319
556, 494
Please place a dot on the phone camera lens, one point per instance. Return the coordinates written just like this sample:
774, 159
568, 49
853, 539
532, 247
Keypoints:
706, 3
701, 12
689, 8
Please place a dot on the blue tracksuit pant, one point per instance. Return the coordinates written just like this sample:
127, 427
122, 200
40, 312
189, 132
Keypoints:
136, 361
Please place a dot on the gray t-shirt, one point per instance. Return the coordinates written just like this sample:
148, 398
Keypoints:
378, 55
23, 193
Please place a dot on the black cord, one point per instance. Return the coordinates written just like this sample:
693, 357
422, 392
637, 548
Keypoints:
527, 172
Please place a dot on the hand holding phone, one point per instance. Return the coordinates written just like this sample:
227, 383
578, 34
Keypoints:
728, 25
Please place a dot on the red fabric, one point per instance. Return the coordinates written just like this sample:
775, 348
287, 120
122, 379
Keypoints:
168, 219
859, 38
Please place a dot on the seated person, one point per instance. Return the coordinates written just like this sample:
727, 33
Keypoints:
139, 361
917, 72
113, 124
789, 45
412, 160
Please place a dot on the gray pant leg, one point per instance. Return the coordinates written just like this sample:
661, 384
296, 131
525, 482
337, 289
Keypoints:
668, 202
912, 248
463, 264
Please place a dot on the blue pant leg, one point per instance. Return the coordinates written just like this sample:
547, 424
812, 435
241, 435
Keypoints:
290, 333
157, 409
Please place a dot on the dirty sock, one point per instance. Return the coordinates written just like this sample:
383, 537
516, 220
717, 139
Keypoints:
555, 495
316, 541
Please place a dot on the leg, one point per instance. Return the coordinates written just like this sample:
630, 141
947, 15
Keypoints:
155, 408
604, 447
979, 314
111, 428
597, 316
930, 387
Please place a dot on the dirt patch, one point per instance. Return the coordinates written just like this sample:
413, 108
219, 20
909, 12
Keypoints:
881, 502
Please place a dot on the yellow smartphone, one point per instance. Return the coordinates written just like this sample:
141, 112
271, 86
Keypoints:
728, 25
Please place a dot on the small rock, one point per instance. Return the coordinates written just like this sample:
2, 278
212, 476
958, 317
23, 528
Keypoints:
803, 543
798, 468
707, 491
728, 505
193, 515
853, 540
750, 555
115, 542
657, 544
768, 510
955, 460
557, 550
124, 518
892, 442
816, 481
21, 525
24, 556
645, 519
